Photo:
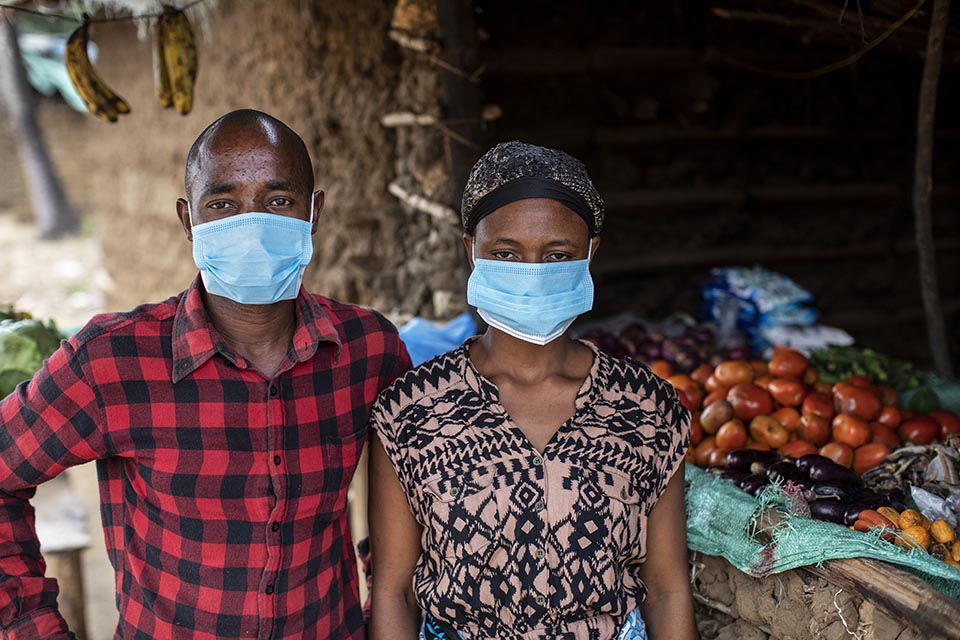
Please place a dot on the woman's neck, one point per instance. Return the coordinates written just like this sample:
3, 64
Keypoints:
498, 354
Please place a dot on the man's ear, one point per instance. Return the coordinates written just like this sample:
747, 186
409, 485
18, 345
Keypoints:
468, 245
183, 212
317, 208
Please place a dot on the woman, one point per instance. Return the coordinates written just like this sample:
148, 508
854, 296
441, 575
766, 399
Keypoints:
517, 482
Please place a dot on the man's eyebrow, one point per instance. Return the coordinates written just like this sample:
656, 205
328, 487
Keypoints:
220, 187
502, 240
279, 185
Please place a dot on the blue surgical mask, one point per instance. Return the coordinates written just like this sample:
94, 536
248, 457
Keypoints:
253, 258
533, 302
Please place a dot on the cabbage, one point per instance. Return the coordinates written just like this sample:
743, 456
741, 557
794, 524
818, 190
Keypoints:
24, 345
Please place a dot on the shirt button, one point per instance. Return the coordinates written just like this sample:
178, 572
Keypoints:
269, 589
540, 553
541, 600
276, 459
275, 526
454, 491
541, 505
624, 493
538, 461
273, 390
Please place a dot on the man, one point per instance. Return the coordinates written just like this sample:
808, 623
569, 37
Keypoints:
226, 422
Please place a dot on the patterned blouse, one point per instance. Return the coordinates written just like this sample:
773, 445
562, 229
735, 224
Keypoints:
523, 545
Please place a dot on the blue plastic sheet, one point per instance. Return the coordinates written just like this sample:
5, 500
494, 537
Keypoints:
426, 340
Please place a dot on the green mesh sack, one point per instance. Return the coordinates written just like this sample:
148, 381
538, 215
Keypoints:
722, 520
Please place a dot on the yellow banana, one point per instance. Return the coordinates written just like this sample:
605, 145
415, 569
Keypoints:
180, 55
161, 77
100, 100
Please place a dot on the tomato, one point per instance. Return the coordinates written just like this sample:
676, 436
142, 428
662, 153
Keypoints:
814, 429
797, 449
685, 400
662, 368
686, 384
823, 387
850, 430
767, 430
733, 372
838, 452
711, 384
919, 430
862, 382
869, 456
732, 435
715, 415
690, 456
811, 376
713, 396
749, 401
763, 381
889, 416
696, 430
759, 446
819, 405
858, 402
787, 363
760, 368
717, 457
788, 392
788, 417
949, 422
884, 435
701, 453
888, 395
906, 414
701, 373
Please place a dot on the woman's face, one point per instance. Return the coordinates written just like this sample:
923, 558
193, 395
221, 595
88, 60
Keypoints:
531, 230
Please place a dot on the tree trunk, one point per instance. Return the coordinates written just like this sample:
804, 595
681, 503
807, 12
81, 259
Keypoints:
54, 215
923, 187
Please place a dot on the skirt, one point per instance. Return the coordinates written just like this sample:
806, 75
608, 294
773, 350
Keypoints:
433, 629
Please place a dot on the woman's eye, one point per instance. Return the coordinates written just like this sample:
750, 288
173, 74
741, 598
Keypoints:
557, 257
502, 255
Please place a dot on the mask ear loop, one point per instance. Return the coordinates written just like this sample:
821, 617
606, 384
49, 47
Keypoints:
312, 195
589, 248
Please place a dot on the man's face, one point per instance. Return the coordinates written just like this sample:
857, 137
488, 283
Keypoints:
247, 169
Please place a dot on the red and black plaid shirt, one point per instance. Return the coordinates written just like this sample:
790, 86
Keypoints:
223, 494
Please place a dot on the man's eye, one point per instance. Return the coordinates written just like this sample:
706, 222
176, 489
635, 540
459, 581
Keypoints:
217, 205
281, 202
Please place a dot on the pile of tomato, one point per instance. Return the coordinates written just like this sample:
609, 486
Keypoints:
782, 405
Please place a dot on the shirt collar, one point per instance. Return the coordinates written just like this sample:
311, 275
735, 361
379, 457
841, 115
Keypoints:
195, 339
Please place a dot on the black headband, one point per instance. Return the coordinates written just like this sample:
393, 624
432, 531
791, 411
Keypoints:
525, 188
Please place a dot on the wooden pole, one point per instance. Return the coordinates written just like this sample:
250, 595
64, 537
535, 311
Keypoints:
923, 187
54, 215
461, 93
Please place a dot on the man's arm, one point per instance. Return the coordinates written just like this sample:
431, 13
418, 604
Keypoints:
51, 423
668, 608
394, 551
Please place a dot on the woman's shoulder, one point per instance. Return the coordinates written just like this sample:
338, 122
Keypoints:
423, 382
634, 380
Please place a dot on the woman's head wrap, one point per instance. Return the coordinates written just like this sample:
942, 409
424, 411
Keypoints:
514, 171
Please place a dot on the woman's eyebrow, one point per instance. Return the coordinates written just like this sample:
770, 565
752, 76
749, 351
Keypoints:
561, 243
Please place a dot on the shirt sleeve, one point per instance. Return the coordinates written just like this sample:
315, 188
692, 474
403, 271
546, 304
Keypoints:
673, 438
46, 425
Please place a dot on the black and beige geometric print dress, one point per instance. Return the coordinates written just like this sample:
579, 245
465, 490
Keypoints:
522, 545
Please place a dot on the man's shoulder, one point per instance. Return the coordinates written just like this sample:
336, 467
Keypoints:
144, 321
353, 318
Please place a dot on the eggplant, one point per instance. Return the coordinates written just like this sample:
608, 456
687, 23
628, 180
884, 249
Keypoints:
742, 459
805, 462
754, 484
828, 491
736, 477
829, 471
784, 472
828, 510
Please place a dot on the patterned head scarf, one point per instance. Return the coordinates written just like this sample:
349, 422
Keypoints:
514, 171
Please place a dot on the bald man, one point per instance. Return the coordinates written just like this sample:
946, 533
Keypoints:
226, 422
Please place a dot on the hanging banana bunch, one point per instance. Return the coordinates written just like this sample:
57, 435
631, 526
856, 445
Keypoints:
174, 60
97, 96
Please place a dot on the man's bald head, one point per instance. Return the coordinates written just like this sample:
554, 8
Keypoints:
245, 129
